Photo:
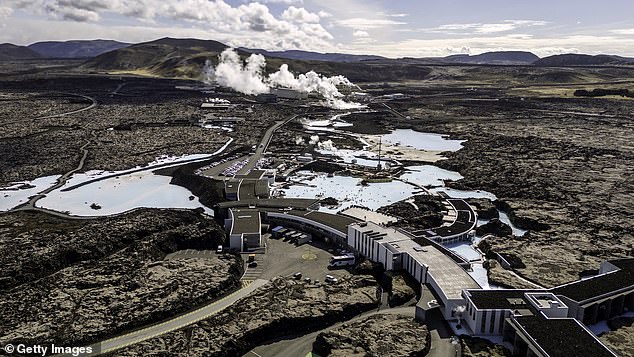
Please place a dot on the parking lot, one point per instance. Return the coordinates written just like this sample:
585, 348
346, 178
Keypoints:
285, 259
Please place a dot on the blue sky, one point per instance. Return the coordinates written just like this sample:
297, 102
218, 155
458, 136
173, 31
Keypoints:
394, 28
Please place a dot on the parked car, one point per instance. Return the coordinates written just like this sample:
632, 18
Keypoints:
307, 280
297, 276
219, 250
330, 279
253, 264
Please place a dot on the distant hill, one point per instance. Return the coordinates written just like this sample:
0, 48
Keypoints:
314, 56
76, 49
572, 59
9, 52
170, 57
500, 57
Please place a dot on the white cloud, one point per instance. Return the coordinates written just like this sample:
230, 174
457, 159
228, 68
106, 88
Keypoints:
251, 23
626, 32
486, 28
300, 14
286, 2
384, 14
5, 12
360, 33
541, 46
367, 23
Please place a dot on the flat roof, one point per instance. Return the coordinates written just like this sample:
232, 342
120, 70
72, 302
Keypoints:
245, 221
247, 190
335, 221
232, 186
464, 222
364, 214
599, 285
297, 203
460, 204
562, 337
451, 278
252, 175
501, 299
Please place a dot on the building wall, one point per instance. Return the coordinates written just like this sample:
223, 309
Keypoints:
370, 248
322, 227
235, 241
252, 240
486, 322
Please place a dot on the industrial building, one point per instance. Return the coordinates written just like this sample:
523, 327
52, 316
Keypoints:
244, 226
287, 93
460, 229
266, 98
396, 250
522, 318
538, 322
530, 322
255, 184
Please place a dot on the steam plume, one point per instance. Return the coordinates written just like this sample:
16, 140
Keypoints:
248, 78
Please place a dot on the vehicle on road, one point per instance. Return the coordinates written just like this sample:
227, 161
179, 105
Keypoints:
342, 261
251, 258
253, 264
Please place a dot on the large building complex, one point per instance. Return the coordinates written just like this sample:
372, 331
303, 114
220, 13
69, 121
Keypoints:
520, 318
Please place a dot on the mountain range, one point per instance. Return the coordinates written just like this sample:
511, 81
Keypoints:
10, 52
314, 56
172, 57
76, 48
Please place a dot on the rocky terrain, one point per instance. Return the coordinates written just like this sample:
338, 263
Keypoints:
376, 335
421, 212
495, 227
561, 167
484, 208
77, 281
400, 289
282, 307
478, 347
501, 277
134, 121
621, 339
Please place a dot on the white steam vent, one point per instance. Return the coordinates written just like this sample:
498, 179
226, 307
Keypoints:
248, 77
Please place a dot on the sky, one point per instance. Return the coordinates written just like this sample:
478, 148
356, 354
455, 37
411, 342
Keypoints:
391, 28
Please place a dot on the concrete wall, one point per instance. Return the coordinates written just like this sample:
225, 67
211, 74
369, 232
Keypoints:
292, 218
235, 241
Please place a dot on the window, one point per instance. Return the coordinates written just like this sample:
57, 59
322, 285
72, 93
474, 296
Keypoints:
492, 322
483, 321
501, 323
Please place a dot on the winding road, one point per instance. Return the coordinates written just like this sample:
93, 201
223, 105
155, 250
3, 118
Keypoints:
92, 105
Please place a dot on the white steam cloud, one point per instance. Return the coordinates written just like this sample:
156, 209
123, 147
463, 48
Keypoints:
248, 77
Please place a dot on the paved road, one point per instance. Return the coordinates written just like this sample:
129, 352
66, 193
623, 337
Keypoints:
263, 145
92, 105
177, 322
